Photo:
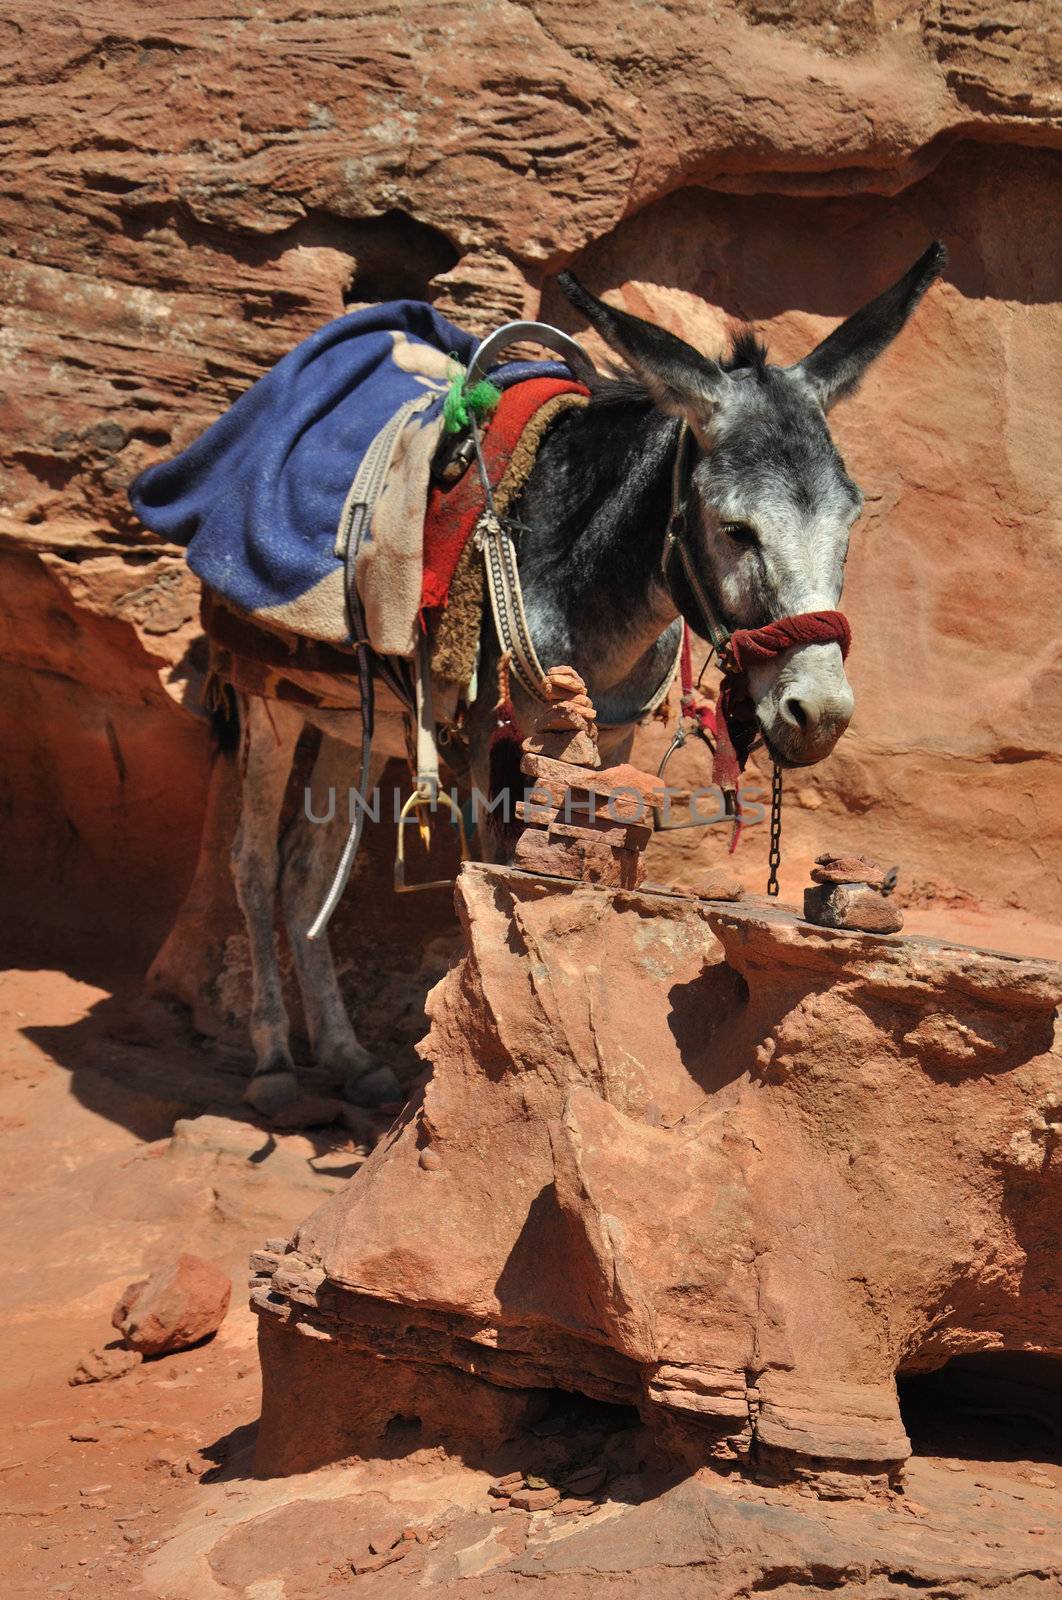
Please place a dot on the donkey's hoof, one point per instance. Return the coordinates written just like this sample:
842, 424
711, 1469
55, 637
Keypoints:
269, 1092
377, 1088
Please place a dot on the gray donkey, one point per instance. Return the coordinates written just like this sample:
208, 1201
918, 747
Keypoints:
770, 508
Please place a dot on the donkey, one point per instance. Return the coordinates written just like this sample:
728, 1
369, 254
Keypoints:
771, 507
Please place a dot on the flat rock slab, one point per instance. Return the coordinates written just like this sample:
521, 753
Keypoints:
297, 1539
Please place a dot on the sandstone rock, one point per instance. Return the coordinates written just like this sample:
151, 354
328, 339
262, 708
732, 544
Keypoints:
662, 1124
720, 884
376, 1563
565, 728
100, 1365
588, 859
180, 1304
625, 784
535, 1499
852, 905
847, 869
565, 821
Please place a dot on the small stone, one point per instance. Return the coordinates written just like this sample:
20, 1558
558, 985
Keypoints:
535, 1482
181, 1303
851, 907
848, 869
511, 1480
498, 1492
571, 1505
953, 1466
501, 1504
98, 1488
375, 1563
102, 1365
430, 1159
535, 1499
276, 1247
1040, 1478
1038, 1530
718, 884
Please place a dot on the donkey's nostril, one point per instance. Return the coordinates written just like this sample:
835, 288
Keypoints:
794, 712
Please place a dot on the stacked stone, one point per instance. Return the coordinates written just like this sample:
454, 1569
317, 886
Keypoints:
847, 894
582, 822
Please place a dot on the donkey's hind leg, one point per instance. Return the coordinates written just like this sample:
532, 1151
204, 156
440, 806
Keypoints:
310, 851
270, 735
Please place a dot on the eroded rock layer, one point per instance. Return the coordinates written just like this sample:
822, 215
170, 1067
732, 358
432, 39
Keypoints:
740, 1193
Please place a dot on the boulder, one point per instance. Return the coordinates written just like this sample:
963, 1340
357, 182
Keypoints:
180, 1304
710, 1161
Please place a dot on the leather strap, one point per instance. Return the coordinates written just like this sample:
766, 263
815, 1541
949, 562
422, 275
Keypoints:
492, 536
714, 630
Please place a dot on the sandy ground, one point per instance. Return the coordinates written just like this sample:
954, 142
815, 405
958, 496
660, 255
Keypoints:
93, 1190
97, 1480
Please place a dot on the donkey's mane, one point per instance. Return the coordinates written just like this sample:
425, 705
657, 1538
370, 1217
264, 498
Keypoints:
618, 386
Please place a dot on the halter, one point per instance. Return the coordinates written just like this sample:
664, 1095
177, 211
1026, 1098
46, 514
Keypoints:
731, 727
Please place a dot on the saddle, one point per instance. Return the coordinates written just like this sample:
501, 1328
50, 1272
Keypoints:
317, 515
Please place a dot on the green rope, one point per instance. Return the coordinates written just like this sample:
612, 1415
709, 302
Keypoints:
462, 402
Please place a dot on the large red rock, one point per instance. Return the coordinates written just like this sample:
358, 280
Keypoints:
741, 1192
181, 1303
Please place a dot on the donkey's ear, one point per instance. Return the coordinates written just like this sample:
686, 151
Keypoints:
836, 366
679, 379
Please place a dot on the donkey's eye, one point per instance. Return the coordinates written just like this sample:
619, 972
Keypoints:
740, 532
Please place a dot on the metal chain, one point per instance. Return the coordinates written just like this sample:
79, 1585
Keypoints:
775, 857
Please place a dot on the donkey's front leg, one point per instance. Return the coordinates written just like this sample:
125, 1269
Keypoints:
310, 852
270, 734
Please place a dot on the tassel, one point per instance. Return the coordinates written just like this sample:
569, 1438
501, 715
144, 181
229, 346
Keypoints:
506, 753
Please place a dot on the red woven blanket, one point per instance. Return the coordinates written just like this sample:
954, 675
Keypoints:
453, 511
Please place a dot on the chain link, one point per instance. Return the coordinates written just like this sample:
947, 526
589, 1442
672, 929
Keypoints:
775, 857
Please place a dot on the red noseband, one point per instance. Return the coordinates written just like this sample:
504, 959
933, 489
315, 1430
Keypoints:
747, 647
736, 726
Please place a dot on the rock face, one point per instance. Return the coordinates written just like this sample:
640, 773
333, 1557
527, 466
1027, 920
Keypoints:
741, 1194
181, 1303
201, 194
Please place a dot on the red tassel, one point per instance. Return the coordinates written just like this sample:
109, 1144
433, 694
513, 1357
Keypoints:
506, 753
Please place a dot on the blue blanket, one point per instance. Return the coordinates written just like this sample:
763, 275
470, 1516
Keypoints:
257, 498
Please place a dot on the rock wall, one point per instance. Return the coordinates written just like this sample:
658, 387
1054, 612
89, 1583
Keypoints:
197, 192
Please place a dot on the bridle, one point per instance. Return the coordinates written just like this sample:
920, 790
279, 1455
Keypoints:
675, 536
730, 728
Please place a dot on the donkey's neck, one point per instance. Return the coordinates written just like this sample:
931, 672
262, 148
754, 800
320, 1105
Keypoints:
593, 514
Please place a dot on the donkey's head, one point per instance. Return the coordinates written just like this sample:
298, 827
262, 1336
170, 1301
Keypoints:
770, 504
